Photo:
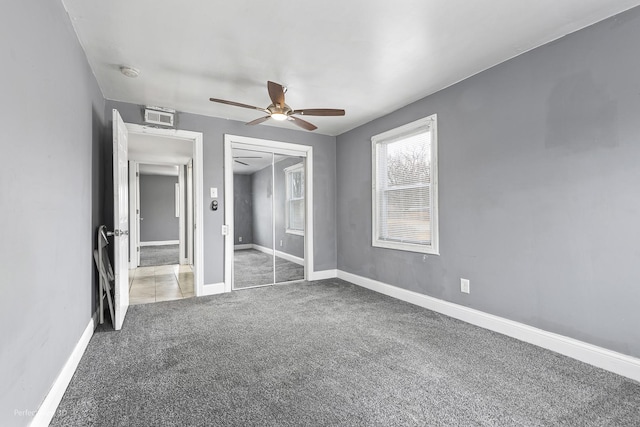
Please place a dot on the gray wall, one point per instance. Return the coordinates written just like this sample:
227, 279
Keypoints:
261, 202
263, 211
242, 209
214, 129
158, 208
52, 122
539, 201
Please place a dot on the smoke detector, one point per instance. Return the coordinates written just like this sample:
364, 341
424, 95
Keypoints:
129, 71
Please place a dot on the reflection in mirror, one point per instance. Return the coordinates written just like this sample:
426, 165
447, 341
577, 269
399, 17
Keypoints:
253, 219
289, 216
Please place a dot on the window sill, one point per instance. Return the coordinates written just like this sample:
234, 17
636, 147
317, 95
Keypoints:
422, 249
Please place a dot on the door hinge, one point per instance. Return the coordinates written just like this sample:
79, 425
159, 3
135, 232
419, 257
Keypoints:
137, 248
137, 173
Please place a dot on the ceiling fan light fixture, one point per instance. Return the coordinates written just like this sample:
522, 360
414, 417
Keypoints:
279, 116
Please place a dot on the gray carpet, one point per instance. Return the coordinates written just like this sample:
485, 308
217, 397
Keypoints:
254, 268
328, 353
159, 255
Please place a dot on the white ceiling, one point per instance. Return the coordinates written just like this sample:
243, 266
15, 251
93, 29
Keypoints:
255, 160
368, 57
159, 150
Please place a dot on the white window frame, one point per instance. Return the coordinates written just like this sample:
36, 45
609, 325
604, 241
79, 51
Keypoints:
430, 123
299, 167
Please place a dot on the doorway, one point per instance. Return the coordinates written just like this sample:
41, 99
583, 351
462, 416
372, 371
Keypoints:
268, 212
159, 268
163, 210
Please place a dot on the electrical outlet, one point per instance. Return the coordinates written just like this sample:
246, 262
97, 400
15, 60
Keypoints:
424, 258
240, 239
464, 286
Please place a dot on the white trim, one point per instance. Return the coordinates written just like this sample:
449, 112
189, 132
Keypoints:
323, 275
283, 255
262, 249
134, 222
190, 212
50, 403
181, 208
196, 138
242, 247
160, 243
264, 145
597, 356
431, 123
213, 289
289, 257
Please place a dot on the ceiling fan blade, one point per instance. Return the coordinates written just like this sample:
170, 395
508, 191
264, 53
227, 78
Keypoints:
319, 112
258, 121
276, 93
238, 104
242, 163
302, 123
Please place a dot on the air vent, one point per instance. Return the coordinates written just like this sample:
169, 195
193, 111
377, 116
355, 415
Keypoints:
158, 117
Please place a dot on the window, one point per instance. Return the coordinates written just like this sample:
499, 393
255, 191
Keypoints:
294, 209
405, 188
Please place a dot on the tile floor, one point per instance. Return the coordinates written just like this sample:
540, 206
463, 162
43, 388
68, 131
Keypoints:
161, 283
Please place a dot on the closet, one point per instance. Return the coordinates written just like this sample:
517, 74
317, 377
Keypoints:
269, 207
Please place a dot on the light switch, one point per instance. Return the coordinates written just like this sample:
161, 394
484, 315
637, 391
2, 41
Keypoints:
214, 192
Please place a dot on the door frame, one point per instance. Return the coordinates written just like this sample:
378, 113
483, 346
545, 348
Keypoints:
134, 211
190, 212
196, 138
265, 145
182, 259
134, 214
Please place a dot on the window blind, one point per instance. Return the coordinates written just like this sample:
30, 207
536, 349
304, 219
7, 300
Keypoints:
404, 188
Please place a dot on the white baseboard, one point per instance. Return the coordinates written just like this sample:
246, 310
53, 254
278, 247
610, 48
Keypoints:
283, 255
597, 356
262, 249
213, 289
160, 243
243, 247
289, 257
50, 403
322, 275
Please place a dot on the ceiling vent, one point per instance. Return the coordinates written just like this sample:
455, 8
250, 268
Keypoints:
155, 117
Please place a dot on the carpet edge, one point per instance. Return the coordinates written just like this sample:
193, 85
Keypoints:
618, 363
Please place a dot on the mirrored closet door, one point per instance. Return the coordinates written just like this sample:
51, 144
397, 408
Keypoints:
269, 209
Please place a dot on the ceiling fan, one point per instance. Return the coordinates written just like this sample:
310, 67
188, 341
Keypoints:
244, 157
278, 110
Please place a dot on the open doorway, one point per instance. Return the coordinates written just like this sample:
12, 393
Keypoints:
162, 232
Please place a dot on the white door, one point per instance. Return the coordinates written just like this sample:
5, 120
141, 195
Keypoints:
120, 219
190, 230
